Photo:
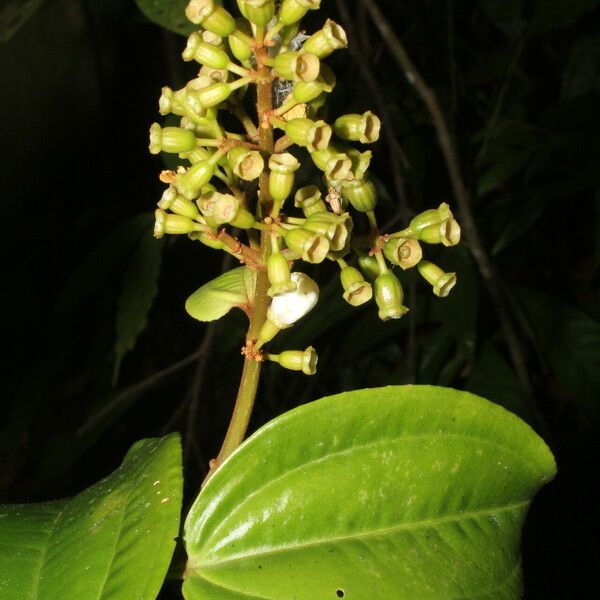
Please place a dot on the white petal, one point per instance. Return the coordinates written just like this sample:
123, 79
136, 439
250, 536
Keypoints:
289, 307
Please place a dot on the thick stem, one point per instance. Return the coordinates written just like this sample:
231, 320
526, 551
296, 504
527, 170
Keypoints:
251, 372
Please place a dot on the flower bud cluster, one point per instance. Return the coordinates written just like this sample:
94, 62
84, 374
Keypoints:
215, 187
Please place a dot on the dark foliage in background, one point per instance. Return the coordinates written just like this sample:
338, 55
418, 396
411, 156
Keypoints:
519, 84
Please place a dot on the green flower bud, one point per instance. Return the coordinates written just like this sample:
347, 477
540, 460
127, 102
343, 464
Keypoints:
305, 91
441, 282
291, 11
216, 93
360, 193
314, 135
336, 165
176, 203
368, 265
215, 75
259, 12
298, 360
171, 102
176, 224
242, 8
358, 128
196, 155
337, 228
208, 240
190, 182
357, 291
224, 208
447, 232
389, 296
360, 162
281, 177
402, 251
238, 45
278, 270
205, 53
313, 247
309, 199
433, 216
322, 43
246, 164
211, 16
170, 139
297, 66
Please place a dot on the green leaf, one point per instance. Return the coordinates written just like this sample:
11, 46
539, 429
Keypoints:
569, 340
217, 297
114, 540
408, 492
169, 14
140, 284
13, 14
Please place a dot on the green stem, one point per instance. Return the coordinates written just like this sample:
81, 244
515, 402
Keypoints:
251, 372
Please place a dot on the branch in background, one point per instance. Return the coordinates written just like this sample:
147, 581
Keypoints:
397, 165
480, 255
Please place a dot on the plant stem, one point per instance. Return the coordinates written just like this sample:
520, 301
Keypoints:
251, 372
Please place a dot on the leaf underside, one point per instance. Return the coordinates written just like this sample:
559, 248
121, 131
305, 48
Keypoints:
114, 540
411, 492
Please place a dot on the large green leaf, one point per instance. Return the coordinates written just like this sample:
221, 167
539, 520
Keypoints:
411, 492
114, 540
216, 298
169, 14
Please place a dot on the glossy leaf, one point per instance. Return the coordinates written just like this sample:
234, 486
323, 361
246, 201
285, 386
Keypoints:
169, 14
217, 297
411, 492
140, 284
114, 540
13, 14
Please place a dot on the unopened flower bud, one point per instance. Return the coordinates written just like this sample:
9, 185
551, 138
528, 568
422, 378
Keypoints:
389, 296
281, 177
306, 91
309, 199
369, 266
171, 102
433, 216
337, 228
360, 193
322, 43
259, 12
357, 291
238, 44
291, 11
314, 135
312, 246
211, 15
190, 182
225, 208
441, 282
360, 162
215, 75
297, 66
205, 53
336, 165
246, 164
176, 203
447, 233
170, 139
176, 224
403, 251
278, 270
214, 94
358, 128
207, 239
297, 360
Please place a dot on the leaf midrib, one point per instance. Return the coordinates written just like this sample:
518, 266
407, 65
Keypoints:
371, 533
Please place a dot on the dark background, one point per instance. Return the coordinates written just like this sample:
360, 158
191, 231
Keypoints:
519, 84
